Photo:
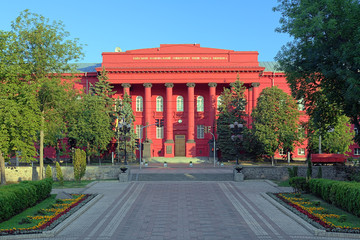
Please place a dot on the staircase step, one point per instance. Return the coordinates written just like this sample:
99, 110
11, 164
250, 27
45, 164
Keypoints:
182, 177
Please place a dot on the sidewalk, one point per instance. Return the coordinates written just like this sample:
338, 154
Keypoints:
184, 211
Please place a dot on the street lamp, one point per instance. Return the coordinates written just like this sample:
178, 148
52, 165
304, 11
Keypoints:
125, 127
236, 130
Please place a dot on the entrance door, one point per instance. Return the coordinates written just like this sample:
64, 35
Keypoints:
180, 145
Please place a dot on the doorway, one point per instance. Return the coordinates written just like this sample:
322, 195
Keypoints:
180, 145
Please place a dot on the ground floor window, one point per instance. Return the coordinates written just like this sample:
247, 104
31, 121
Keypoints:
138, 130
301, 151
281, 151
200, 131
159, 132
356, 151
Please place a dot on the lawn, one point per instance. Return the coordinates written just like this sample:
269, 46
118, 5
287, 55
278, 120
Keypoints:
72, 184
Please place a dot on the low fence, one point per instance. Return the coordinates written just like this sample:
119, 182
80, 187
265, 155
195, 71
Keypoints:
22, 173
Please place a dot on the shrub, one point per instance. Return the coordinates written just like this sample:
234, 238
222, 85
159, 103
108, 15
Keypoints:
17, 197
48, 172
319, 173
299, 184
293, 172
79, 164
59, 174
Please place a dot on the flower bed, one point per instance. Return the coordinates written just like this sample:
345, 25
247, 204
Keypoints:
51, 217
314, 213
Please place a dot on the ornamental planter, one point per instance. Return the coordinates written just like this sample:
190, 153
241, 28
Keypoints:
124, 174
165, 164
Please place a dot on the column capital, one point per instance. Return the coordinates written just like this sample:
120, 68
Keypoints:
169, 85
212, 84
190, 84
255, 84
147, 85
126, 85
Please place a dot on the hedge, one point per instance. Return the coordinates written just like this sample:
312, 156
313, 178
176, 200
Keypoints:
345, 195
299, 184
17, 197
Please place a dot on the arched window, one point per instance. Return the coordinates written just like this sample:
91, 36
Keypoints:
139, 104
200, 103
179, 104
218, 102
159, 104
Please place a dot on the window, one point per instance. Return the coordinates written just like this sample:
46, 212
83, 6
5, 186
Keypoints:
139, 104
159, 104
138, 130
159, 132
301, 151
356, 151
200, 131
200, 103
281, 151
179, 104
218, 102
301, 132
300, 104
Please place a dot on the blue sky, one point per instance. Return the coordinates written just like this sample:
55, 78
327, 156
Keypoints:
241, 25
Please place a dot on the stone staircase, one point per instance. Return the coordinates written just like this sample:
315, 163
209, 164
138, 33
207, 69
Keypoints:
182, 177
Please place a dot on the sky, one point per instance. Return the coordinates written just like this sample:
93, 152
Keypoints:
240, 25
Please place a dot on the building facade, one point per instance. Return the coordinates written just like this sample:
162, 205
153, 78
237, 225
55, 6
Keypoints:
181, 84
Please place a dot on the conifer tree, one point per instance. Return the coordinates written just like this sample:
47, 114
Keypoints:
231, 109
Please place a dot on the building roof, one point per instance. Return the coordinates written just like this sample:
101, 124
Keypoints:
87, 67
270, 66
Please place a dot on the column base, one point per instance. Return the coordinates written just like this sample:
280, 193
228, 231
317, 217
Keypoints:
169, 149
190, 148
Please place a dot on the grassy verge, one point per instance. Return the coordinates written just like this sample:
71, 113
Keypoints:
72, 184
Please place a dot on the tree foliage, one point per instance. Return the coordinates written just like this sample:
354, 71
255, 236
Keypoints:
322, 62
275, 121
231, 109
79, 161
338, 140
59, 174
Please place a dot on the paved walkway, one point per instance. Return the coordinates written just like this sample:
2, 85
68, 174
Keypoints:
183, 211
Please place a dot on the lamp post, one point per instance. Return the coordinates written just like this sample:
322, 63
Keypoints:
125, 127
236, 130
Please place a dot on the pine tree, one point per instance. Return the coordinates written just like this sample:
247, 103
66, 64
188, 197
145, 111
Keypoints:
231, 109
59, 174
48, 173
79, 164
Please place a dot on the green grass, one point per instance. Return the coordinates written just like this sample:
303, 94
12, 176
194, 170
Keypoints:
72, 184
14, 221
284, 183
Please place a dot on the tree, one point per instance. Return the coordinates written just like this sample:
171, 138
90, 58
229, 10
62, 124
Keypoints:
88, 125
79, 164
45, 52
231, 109
336, 139
124, 113
18, 105
323, 58
275, 121
59, 174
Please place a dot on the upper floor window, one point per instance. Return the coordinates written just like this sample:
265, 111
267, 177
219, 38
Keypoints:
300, 104
200, 103
301, 151
179, 104
218, 102
139, 104
159, 103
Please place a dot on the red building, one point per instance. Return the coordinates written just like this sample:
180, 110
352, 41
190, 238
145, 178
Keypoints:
181, 84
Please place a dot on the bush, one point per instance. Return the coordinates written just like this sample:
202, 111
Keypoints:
293, 172
345, 195
17, 197
48, 172
299, 184
59, 174
79, 164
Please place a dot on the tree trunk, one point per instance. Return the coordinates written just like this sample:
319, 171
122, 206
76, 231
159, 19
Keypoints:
272, 161
2, 169
41, 158
88, 155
